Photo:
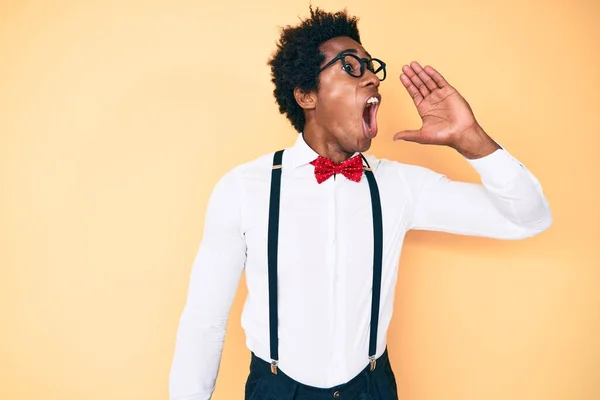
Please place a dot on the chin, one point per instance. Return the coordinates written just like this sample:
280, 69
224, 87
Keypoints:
365, 144
360, 146
365, 148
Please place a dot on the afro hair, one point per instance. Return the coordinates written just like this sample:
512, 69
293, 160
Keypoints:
296, 62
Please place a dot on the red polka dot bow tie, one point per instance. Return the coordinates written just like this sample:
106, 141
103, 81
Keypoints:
351, 168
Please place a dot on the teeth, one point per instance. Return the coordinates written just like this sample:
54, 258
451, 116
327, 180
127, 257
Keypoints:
372, 100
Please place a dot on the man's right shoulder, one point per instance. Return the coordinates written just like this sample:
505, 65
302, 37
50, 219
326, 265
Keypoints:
258, 168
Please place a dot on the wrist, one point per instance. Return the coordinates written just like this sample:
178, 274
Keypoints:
475, 143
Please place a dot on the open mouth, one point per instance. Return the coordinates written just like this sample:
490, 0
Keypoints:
370, 116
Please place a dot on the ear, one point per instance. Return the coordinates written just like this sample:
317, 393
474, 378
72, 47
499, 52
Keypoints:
306, 100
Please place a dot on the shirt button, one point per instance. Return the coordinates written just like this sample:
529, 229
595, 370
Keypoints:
336, 394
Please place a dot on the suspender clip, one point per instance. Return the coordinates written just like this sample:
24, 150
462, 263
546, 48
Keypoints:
373, 363
274, 366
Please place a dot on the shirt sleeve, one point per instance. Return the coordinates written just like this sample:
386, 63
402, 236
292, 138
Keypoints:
215, 275
508, 204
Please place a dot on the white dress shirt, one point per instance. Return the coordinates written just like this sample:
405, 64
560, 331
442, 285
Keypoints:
326, 258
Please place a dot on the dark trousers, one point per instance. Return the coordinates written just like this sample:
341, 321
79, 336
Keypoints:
379, 384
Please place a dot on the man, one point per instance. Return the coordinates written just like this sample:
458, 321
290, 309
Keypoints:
319, 227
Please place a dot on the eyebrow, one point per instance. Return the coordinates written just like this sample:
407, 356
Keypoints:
353, 51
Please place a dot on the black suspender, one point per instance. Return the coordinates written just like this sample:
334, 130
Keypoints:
377, 260
272, 242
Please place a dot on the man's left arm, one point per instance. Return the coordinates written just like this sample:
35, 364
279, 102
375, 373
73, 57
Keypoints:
509, 203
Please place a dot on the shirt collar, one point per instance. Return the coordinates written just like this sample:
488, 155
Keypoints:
302, 153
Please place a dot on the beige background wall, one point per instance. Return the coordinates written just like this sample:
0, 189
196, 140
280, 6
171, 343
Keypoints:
117, 118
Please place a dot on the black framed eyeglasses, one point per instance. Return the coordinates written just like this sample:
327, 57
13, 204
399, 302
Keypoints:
356, 66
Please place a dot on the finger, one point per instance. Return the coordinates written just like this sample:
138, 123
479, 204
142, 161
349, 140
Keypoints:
412, 89
436, 76
409, 136
425, 78
414, 78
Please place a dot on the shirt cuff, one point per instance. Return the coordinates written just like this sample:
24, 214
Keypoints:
497, 168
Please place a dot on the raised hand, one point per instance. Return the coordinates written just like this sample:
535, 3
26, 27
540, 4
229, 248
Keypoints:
447, 117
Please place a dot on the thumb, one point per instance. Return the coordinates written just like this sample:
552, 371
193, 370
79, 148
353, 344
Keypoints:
409, 136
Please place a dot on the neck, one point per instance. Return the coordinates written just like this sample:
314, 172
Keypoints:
325, 144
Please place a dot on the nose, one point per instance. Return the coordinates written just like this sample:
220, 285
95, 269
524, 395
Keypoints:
370, 79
